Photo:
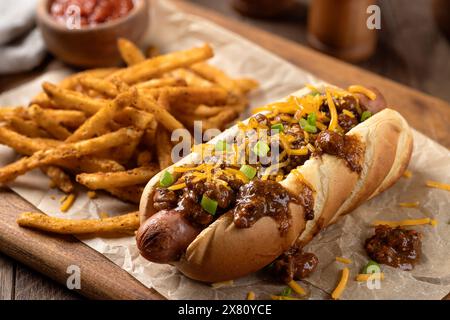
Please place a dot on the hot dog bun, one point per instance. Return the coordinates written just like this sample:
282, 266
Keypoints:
223, 252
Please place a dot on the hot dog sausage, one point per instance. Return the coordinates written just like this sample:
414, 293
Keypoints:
373, 106
164, 237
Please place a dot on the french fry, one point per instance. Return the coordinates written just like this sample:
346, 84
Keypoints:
125, 152
105, 87
7, 112
160, 83
149, 138
68, 99
28, 146
127, 178
72, 81
48, 123
28, 128
123, 224
90, 164
202, 111
129, 194
191, 78
221, 120
134, 117
217, 76
130, 53
153, 67
42, 100
149, 104
164, 149
97, 124
69, 150
25, 145
59, 178
70, 118
246, 85
190, 95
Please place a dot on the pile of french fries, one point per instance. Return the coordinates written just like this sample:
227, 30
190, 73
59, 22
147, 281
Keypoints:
110, 129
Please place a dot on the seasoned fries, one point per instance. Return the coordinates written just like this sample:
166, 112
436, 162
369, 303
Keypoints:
107, 180
48, 123
129, 52
161, 64
124, 224
102, 86
65, 151
68, 99
110, 129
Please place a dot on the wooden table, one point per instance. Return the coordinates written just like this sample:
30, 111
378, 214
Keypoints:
428, 114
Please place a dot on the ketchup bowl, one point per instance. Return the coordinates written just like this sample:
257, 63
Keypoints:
84, 36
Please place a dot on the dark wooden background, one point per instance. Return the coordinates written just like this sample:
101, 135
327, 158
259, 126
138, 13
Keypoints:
411, 51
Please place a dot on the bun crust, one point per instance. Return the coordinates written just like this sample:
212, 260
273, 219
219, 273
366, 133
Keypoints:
223, 252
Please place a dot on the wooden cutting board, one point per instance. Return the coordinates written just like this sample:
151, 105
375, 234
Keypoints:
100, 278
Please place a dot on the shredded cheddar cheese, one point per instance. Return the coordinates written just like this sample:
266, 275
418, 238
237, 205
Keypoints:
311, 148
306, 134
311, 87
299, 152
360, 89
334, 116
343, 260
438, 185
221, 284
407, 174
370, 276
337, 292
348, 113
407, 222
297, 288
67, 203
321, 126
177, 186
414, 204
251, 295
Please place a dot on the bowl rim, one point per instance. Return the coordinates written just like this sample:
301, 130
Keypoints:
44, 16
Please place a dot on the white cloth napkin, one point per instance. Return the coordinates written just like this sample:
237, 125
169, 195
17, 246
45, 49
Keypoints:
21, 45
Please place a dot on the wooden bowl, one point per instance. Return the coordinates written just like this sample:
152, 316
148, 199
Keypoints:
92, 46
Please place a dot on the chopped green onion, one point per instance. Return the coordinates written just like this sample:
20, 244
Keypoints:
286, 292
306, 126
278, 127
373, 266
312, 119
249, 171
209, 205
315, 93
166, 179
221, 145
365, 115
261, 148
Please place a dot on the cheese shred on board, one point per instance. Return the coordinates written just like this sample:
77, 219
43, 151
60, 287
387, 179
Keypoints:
336, 294
68, 202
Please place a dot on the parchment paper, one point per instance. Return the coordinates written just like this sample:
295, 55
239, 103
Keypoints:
173, 30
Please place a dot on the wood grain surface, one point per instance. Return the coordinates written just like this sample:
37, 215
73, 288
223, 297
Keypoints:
101, 279
52, 255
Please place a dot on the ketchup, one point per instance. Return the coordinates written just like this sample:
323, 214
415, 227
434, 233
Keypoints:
91, 12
